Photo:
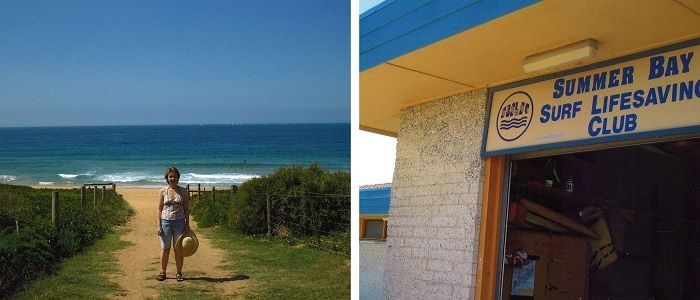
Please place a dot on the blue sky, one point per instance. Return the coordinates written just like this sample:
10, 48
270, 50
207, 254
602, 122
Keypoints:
365, 5
175, 62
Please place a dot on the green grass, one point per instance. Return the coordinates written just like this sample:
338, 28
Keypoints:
278, 271
273, 271
82, 276
189, 290
270, 270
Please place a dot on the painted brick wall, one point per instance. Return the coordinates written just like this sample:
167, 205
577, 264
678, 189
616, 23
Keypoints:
372, 259
436, 200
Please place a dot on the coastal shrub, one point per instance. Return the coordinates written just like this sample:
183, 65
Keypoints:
38, 246
245, 216
209, 213
304, 202
23, 257
302, 199
338, 241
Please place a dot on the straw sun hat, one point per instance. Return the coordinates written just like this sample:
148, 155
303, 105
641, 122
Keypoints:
187, 243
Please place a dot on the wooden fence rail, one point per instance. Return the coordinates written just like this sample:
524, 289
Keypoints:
201, 189
56, 201
94, 192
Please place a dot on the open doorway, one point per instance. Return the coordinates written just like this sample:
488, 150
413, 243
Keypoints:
620, 223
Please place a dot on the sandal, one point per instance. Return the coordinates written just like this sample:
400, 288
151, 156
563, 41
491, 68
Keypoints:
179, 277
161, 276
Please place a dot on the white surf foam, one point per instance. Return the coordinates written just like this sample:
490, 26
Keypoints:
215, 178
142, 178
8, 178
70, 176
129, 177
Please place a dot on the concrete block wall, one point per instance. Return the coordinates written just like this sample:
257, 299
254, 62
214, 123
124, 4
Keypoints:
372, 260
434, 217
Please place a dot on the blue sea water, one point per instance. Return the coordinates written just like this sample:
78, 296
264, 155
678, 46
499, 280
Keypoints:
213, 155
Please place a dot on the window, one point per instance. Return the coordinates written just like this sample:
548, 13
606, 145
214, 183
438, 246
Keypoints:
372, 229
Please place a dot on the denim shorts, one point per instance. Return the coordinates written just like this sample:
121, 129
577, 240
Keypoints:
171, 229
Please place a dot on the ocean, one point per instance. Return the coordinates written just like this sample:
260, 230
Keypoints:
137, 156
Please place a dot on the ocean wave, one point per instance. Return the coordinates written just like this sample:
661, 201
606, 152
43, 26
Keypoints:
130, 177
225, 165
188, 178
8, 178
215, 178
70, 176
45, 182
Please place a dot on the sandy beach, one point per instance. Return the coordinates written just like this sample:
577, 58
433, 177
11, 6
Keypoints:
140, 262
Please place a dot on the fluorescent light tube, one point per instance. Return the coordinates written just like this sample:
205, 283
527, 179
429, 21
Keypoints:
560, 56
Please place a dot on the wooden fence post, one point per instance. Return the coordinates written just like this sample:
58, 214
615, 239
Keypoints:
213, 194
94, 196
315, 222
55, 213
199, 191
17, 226
82, 197
104, 190
114, 187
269, 221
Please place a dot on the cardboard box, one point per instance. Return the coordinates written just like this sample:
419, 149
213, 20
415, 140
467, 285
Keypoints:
560, 266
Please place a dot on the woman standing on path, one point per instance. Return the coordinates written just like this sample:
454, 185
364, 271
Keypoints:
174, 215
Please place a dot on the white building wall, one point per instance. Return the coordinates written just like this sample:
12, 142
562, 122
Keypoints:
372, 256
435, 209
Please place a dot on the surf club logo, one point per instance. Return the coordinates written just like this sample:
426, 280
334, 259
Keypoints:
514, 116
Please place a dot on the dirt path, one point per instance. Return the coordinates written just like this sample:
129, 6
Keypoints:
140, 263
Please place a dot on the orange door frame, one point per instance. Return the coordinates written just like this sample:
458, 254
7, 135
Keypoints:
490, 232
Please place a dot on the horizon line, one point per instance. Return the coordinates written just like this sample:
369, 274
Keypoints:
200, 124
